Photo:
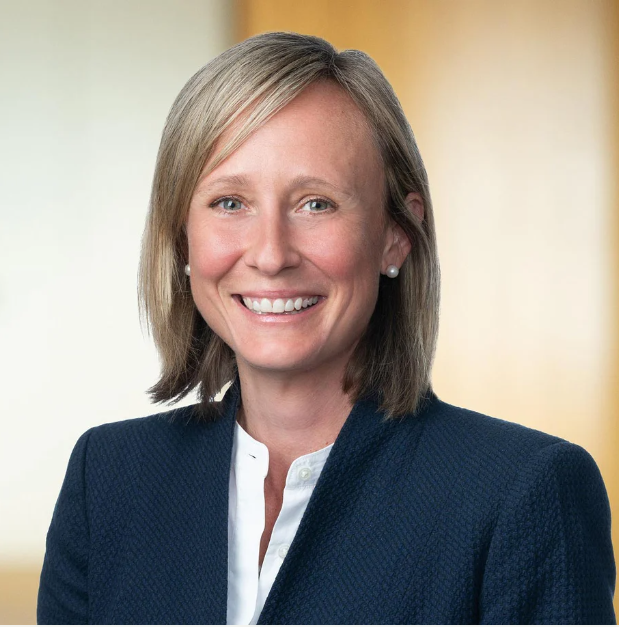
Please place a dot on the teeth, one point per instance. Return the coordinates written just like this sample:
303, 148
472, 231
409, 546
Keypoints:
264, 305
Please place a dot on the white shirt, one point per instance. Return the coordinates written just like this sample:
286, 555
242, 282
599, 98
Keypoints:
248, 587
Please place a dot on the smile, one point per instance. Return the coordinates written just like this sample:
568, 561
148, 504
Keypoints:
279, 305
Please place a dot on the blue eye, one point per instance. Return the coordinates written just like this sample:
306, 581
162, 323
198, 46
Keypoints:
228, 204
315, 205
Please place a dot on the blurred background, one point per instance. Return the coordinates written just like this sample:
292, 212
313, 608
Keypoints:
515, 106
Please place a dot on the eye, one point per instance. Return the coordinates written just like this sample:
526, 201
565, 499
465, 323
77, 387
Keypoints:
319, 205
228, 204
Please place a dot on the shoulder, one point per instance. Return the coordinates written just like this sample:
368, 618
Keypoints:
126, 445
122, 463
492, 457
543, 511
168, 425
483, 437
177, 419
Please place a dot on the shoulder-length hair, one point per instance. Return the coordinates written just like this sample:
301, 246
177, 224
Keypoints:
245, 86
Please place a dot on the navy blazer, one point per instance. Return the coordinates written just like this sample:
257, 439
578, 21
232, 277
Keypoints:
447, 516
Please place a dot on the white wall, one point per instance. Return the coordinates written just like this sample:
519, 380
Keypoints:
85, 87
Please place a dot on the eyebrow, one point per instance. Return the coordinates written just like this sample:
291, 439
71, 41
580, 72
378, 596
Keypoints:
301, 180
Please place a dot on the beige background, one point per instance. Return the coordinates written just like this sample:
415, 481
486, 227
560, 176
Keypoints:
514, 105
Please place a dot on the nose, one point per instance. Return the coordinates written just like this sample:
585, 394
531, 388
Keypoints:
272, 247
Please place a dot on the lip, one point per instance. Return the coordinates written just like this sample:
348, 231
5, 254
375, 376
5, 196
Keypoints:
303, 314
273, 294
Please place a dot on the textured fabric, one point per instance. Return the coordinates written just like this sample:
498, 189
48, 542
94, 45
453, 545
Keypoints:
249, 587
447, 516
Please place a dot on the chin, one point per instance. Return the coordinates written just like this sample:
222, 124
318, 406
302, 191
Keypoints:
276, 359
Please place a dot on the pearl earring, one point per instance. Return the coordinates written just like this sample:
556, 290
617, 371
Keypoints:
392, 272
187, 270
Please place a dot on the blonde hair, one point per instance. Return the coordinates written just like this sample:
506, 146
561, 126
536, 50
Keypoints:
245, 86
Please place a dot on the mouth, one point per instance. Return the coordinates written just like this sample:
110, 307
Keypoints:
278, 306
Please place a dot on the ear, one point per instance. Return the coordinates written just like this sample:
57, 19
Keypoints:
396, 248
398, 245
414, 202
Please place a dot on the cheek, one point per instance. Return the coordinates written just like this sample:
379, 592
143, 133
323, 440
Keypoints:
338, 261
352, 251
211, 252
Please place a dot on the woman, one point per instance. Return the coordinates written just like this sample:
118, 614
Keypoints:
290, 249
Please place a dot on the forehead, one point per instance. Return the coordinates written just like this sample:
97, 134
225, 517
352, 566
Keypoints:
320, 133
326, 105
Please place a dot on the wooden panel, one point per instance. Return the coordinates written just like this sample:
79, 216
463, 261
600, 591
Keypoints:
392, 32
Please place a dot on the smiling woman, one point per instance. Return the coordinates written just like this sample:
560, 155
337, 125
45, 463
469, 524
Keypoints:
290, 249
305, 226
320, 168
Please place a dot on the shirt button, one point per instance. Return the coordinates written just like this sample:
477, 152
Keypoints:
305, 474
283, 550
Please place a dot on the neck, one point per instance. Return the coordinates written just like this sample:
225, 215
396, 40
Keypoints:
293, 414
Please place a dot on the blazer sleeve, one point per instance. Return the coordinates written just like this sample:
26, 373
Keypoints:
63, 589
550, 559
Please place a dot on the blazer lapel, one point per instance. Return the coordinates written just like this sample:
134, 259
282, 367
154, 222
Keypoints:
353, 544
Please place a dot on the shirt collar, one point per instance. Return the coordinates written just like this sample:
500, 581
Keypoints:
303, 472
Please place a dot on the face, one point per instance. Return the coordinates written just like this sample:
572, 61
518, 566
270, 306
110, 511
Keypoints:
288, 237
